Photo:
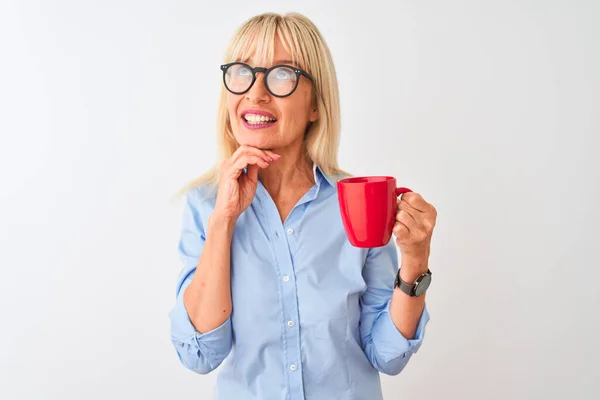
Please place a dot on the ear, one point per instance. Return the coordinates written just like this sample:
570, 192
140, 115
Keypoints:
314, 115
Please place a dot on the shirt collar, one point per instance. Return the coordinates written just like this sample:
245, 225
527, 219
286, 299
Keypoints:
318, 174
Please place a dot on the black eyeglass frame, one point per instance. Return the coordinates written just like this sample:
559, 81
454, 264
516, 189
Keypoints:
266, 72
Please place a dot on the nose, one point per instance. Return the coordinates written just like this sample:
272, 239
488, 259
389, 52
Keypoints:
258, 93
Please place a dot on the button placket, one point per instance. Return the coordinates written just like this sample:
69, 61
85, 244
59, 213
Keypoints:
284, 250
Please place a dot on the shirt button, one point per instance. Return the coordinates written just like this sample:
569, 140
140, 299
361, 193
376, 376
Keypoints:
286, 278
290, 323
290, 231
293, 367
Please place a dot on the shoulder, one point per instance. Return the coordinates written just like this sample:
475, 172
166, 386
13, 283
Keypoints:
339, 174
202, 195
342, 175
332, 175
334, 178
200, 203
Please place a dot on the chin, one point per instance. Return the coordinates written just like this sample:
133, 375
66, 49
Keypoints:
260, 141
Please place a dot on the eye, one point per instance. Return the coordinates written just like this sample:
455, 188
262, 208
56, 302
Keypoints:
244, 71
283, 74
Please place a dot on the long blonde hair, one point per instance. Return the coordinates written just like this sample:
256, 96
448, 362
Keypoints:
309, 52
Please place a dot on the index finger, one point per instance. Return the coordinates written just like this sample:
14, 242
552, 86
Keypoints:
416, 201
255, 151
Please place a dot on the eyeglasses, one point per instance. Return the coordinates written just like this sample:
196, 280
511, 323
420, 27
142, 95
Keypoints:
280, 80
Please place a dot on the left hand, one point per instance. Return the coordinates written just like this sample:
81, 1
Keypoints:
415, 220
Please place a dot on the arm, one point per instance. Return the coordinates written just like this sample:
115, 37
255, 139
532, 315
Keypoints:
208, 297
405, 310
387, 348
200, 320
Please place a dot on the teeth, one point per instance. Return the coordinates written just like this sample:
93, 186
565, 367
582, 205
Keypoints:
258, 119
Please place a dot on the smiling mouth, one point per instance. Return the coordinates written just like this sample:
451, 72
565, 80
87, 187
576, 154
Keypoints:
254, 119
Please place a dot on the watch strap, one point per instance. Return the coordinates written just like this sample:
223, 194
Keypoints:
406, 287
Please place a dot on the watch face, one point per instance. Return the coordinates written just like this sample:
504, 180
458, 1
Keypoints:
423, 285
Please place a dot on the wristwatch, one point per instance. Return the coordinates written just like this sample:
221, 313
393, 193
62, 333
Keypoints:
418, 288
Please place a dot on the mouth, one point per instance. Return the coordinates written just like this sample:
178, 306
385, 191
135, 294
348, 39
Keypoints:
255, 120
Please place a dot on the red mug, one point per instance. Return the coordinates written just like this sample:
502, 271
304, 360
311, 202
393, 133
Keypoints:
368, 208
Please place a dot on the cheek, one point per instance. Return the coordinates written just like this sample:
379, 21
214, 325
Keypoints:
293, 118
298, 109
231, 104
232, 108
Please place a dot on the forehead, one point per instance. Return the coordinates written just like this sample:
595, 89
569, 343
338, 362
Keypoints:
266, 54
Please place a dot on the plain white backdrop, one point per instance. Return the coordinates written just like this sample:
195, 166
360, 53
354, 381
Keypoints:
489, 109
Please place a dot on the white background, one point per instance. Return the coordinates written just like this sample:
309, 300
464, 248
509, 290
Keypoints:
490, 109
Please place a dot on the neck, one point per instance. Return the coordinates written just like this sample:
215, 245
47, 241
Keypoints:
293, 171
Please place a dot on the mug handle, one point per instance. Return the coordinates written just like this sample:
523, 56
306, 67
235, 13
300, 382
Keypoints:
402, 190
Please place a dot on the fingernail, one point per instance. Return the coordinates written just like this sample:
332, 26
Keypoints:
276, 156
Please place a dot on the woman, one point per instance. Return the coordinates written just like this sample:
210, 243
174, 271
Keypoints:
270, 284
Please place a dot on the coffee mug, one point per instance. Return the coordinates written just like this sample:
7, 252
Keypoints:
368, 208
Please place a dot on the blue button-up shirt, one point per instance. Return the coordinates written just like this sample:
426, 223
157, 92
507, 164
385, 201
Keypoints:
310, 315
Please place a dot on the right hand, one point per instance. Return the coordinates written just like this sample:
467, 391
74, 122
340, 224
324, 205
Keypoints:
236, 189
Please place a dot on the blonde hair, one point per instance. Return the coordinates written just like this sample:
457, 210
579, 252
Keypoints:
309, 52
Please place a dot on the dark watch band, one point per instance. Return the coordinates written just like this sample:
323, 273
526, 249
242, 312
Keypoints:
418, 288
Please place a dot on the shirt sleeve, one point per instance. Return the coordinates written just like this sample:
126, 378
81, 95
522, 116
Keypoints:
198, 352
385, 347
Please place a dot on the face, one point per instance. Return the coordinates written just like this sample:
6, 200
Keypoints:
292, 114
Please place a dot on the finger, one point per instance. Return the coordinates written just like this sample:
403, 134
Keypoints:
426, 220
409, 235
273, 155
405, 218
414, 226
416, 201
249, 150
246, 160
401, 232
416, 214
415, 223
429, 219
236, 169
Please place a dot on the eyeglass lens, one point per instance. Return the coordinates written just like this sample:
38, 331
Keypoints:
281, 81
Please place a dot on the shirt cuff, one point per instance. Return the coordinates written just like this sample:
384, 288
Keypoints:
182, 330
389, 341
